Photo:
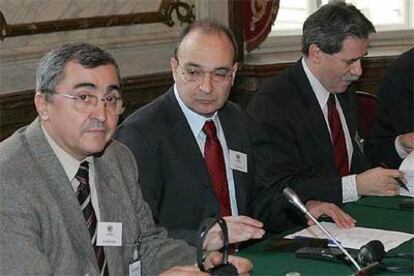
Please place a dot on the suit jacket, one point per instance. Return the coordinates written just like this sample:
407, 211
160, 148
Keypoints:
174, 178
42, 229
294, 147
395, 113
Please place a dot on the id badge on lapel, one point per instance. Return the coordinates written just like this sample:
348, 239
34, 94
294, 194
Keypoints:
135, 261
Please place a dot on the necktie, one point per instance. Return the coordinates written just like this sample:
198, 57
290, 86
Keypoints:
213, 156
84, 196
338, 138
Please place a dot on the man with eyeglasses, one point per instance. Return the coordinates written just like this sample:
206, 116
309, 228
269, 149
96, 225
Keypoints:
309, 131
192, 145
69, 199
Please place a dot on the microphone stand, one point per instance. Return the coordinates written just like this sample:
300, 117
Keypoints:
334, 240
293, 198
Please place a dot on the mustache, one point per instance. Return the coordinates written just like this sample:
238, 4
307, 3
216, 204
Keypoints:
351, 77
95, 124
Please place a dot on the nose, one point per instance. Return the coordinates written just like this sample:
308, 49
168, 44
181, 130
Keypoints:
206, 82
100, 111
356, 68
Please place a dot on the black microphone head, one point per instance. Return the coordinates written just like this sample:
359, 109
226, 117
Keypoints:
371, 252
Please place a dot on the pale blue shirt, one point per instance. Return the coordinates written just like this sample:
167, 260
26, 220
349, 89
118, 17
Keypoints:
349, 188
71, 165
196, 123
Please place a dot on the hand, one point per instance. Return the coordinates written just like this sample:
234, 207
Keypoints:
318, 208
378, 182
407, 141
240, 228
184, 271
243, 265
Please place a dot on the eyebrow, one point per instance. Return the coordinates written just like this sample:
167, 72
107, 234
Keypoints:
114, 87
84, 85
199, 66
91, 85
352, 60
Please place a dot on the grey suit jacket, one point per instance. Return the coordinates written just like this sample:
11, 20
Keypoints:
174, 178
42, 230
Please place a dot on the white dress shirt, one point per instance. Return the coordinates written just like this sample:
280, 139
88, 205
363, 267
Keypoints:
349, 188
71, 166
196, 123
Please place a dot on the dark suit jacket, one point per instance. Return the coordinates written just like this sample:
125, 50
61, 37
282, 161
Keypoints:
173, 175
294, 147
42, 229
395, 113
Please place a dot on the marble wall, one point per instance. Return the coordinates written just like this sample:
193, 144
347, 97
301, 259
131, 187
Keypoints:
139, 49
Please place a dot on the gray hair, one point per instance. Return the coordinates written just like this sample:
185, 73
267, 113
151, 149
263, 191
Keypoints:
330, 25
207, 26
51, 66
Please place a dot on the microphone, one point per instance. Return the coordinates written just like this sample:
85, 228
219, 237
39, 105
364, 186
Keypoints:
293, 198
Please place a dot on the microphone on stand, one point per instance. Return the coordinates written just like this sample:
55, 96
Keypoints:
293, 198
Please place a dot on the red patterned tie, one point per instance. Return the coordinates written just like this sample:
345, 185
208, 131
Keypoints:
338, 137
213, 155
84, 196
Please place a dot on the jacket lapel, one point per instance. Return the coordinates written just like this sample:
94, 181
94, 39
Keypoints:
107, 184
312, 113
183, 140
61, 190
234, 131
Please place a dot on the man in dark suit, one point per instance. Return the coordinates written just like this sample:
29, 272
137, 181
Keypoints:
168, 140
309, 138
170, 145
69, 199
392, 137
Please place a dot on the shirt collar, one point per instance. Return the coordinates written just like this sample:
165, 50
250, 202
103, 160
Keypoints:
196, 121
320, 91
68, 162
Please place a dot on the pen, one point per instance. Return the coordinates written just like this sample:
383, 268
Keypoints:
399, 181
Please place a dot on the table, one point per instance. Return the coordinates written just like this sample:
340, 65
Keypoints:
374, 212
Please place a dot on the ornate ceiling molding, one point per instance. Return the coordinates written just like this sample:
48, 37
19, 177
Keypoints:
184, 13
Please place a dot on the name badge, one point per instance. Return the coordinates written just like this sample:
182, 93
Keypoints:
135, 268
238, 161
135, 262
109, 234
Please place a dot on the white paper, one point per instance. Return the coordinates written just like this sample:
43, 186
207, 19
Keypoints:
407, 166
355, 237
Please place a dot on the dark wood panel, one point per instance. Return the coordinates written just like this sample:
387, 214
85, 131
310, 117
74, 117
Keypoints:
17, 109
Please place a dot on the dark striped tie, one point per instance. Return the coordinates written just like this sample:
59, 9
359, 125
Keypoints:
84, 197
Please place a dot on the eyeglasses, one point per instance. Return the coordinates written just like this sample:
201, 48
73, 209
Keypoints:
87, 103
195, 74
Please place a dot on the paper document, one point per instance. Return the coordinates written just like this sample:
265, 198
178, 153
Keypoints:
355, 237
407, 166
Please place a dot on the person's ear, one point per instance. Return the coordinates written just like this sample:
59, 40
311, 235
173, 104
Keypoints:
42, 106
233, 74
314, 53
174, 67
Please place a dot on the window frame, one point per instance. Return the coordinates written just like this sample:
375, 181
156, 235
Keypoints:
286, 48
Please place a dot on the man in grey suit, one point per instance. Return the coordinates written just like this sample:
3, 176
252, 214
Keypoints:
69, 199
